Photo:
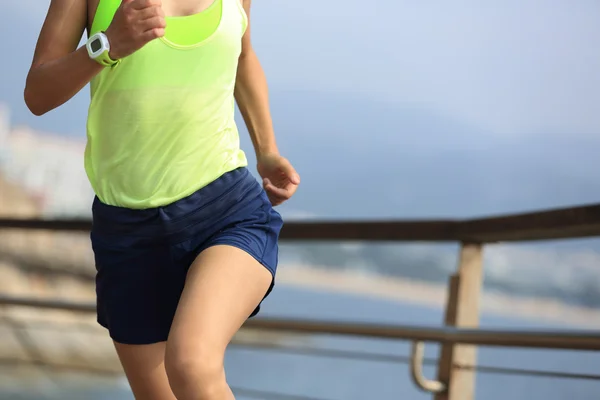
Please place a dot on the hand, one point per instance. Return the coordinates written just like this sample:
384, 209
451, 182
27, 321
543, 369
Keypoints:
135, 23
280, 179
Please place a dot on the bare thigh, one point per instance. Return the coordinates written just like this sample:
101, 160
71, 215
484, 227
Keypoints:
223, 287
144, 366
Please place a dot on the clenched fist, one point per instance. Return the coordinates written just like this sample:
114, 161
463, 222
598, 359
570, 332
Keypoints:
135, 23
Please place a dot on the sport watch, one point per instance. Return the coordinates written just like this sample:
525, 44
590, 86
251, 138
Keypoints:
98, 48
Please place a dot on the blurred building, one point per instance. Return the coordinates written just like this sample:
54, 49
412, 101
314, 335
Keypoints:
48, 166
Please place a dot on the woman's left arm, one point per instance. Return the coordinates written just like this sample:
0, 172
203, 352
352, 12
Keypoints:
280, 179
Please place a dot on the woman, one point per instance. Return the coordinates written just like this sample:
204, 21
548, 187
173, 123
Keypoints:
184, 238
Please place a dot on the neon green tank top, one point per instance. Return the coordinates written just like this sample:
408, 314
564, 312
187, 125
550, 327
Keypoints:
161, 124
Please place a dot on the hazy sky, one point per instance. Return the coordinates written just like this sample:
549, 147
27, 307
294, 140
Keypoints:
448, 93
510, 67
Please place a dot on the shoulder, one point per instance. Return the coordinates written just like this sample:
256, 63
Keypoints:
246, 4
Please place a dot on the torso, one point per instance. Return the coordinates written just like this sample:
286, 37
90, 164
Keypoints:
161, 124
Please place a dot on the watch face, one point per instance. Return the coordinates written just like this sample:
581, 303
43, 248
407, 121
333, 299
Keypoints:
96, 45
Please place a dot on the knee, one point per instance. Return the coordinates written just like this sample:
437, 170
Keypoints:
195, 371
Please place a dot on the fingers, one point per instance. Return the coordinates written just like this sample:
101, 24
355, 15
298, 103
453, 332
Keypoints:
280, 179
152, 19
289, 171
278, 195
135, 23
275, 200
152, 34
151, 12
156, 24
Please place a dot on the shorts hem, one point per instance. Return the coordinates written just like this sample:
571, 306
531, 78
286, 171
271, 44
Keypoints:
272, 270
122, 340
245, 249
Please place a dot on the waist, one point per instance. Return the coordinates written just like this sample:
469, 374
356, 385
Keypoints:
207, 205
147, 183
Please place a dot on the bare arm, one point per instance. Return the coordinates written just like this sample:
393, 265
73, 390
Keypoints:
59, 70
252, 96
280, 179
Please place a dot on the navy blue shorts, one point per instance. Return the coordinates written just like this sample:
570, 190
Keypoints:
142, 256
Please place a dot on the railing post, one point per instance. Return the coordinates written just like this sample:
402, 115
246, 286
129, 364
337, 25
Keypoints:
462, 310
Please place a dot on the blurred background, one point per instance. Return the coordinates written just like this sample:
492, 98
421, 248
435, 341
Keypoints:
388, 110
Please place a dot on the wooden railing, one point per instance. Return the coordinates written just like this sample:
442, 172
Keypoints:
462, 309
566, 223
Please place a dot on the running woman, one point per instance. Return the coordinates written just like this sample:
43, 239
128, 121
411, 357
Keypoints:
184, 237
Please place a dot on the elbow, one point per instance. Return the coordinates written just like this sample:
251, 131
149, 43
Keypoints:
34, 109
32, 99
32, 102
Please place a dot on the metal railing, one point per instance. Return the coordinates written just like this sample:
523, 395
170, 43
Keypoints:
456, 364
589, 340
586, 340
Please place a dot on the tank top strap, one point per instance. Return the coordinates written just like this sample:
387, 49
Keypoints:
104, 14
239, 7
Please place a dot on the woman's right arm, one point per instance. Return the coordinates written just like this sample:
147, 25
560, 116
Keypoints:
59, 70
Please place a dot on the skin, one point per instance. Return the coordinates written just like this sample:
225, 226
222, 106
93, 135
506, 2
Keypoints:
224, 284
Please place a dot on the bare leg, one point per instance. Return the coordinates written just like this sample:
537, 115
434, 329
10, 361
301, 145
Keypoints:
223, 287
145, 370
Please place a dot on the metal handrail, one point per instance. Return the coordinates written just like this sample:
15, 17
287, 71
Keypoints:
305, 350
401, 359
584, 340
574, 340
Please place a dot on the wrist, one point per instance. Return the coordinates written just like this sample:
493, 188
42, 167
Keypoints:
266, 147
267, 153
113, 51
98, 47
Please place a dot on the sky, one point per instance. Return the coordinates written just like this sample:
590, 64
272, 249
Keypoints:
491, 100
510, 67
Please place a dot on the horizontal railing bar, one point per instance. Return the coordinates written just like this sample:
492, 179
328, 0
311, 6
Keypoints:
61, 305
44, 325
530, 339
585, 340
302, 351
486, 369
322, 352
400, 359
59, 224
329, 353
564, 223
87, 369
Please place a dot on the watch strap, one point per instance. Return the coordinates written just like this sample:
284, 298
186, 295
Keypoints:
104, 59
